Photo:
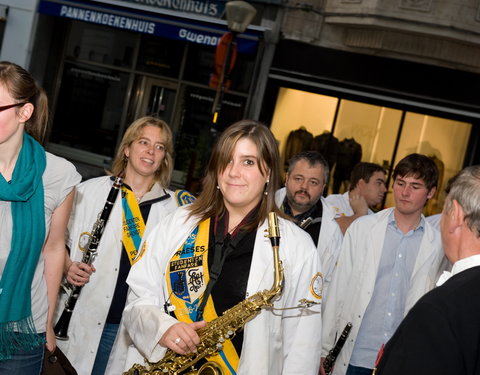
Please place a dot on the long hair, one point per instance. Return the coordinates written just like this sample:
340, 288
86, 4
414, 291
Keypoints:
210, 202
164, 173
23, 88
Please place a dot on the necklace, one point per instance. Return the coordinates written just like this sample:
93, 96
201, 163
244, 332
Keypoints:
139, 196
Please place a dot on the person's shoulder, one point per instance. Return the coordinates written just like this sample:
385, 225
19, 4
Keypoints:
280, 193
368, 221
457, 292
181, 197
96, 183
60, 165
293, 231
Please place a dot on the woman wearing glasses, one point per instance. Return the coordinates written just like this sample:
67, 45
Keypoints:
36, 194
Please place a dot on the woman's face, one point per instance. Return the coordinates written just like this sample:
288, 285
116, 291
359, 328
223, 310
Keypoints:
11, 124
146, 153
241, 183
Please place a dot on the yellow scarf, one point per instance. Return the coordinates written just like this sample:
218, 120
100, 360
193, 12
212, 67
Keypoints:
187, 279
133, 224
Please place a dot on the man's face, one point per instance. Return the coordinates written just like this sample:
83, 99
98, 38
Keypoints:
304, 185
410, 194
374, 190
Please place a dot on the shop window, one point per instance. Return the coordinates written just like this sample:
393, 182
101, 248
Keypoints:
363, 132
200, 65
98, 44
196, 133
442, 139
160, 56
89, 109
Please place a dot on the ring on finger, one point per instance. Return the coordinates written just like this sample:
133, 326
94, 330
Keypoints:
177, 340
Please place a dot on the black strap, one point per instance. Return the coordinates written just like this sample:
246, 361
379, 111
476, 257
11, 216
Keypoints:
224, 246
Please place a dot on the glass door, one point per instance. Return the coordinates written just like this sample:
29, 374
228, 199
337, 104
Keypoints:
155, 97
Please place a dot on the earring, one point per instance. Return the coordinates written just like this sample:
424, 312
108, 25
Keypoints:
265, 192
218, 187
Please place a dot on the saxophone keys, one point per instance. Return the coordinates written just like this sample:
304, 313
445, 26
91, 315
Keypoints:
219, 346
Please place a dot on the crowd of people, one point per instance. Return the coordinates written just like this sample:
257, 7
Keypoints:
179, 281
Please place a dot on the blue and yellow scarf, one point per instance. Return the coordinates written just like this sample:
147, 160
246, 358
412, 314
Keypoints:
187, 279
25, 192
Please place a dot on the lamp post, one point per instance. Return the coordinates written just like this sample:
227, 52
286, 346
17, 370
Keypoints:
239, 16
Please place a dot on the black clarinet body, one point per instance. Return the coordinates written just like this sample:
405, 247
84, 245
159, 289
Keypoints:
333, 353
61, 328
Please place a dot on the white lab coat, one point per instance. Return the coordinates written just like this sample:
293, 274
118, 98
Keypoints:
341, 204
354, 280
275, 342
329, 239
90, 313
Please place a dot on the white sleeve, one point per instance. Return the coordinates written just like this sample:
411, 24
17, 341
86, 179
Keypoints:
302, 328
144, 317
337, 290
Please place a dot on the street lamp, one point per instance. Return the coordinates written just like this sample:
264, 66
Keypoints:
239, 16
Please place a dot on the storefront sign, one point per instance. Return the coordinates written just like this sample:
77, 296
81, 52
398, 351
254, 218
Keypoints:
201, 7
205, 34
100, 18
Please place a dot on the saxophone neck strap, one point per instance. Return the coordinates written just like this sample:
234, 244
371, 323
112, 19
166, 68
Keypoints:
225, 244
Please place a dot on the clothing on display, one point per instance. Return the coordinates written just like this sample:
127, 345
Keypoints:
349, 155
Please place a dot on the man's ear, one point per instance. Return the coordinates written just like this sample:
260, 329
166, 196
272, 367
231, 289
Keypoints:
431, 193
286, 177
457, 215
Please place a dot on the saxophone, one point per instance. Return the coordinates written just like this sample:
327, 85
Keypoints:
214, 334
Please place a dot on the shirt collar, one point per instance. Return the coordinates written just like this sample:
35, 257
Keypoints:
393, 222
459, 266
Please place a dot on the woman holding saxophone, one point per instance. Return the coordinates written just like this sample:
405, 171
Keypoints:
207, 258
144, 161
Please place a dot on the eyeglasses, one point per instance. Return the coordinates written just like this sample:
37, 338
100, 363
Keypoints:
5, 107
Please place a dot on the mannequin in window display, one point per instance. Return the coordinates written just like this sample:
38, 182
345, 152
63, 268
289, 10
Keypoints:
298, 140
349, 154
326, 144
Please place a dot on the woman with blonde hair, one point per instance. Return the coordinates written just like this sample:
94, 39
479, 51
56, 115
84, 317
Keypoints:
209, 256
36, 194
144, 160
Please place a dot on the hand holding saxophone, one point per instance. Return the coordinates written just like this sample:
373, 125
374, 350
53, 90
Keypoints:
78, 273
182, 338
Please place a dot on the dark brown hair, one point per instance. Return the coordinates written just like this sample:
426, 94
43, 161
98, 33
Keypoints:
23, 88
418, 166
210, 202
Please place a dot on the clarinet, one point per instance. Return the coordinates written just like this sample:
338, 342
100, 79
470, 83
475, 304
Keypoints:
61, 328
333, 353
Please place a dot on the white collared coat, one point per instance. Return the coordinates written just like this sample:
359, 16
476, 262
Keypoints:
329, 239
354, 280
91, 309
275, 342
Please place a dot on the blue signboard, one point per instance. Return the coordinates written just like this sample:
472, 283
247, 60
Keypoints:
210, 8
126, 19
